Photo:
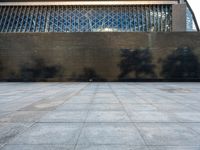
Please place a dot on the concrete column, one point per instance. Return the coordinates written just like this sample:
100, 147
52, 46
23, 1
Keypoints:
179, 18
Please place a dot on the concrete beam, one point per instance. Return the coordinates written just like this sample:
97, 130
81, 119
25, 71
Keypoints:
179, 18
87, 3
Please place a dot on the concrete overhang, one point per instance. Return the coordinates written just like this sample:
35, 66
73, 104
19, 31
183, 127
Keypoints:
80, 2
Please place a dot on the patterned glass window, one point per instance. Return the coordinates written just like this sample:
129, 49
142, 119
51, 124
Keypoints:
131, 18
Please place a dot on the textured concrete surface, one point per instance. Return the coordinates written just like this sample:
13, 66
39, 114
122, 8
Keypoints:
99, 116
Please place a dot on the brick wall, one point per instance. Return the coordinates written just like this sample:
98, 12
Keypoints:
99, 56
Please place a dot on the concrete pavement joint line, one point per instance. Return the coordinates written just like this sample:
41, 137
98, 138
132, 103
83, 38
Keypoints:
69, 95
140, 96
35, 122
20, 133
72, 94
182, 124
84, 122
128, 114
114, 116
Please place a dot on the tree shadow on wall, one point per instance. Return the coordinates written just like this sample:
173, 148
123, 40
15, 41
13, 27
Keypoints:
39, 71
181, 64
1, 69
137, 62
88, 75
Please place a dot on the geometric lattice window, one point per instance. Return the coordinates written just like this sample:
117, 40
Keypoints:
131, 18
190, 24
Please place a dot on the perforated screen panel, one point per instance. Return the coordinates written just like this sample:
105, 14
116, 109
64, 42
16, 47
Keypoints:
131, 18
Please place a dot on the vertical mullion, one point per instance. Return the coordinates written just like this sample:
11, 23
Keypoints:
150, 18
4, 23
170, 16
143, 22
53, 20
125, 13
56, 22
74, 21
89, 19
48, 24
67, 19
1, 9
134, 18
146, 17
58, 18
9, 21
22, 22
50, 19
160, 12
63, 19
44, 16
120, 18
41, 14
2, 16
70, 9
117, 9
138, 19
111, 15
129, 18
19, 15
28, 15
161, 18
154, 20
31, 20
166, 19
14, 18
74, 13
158, 18
78, 18
104, 18
34, 30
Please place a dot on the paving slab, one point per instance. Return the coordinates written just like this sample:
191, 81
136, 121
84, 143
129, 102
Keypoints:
39, 147
151, 116
50, 133
168, 134
106, 107
107, 116
9, 131
22, 116
73, 107
193, 126
99, 116
174, 147
110, 133
64, 116
140, 107
110, 147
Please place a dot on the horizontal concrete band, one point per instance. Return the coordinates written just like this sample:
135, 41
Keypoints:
87, 3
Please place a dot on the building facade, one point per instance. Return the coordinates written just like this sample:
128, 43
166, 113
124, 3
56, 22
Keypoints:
95, 16
123, 40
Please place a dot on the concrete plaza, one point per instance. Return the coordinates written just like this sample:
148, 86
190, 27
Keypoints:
100, 116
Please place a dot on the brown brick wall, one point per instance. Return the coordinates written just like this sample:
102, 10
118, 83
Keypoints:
99, 56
